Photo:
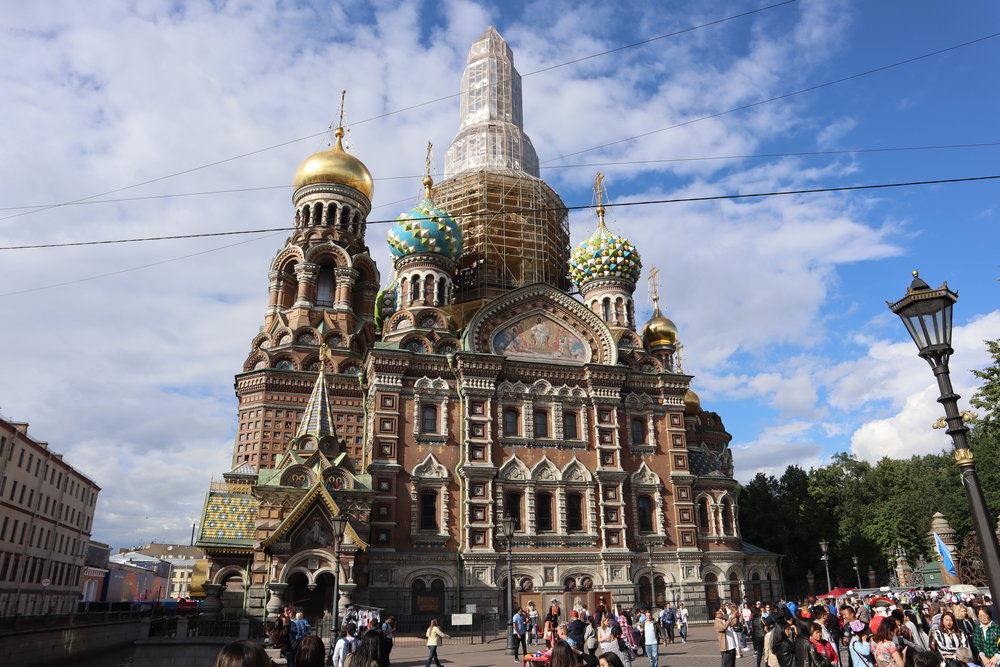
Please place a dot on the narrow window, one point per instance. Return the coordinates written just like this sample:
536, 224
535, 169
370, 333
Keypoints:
574, 512
645, 514
429, 419
543, 512
638, 431
703, 514
512, 506
569, 426
541, 424
510, 416
428, 510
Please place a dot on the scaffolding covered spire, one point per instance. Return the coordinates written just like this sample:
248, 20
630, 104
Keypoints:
491, 134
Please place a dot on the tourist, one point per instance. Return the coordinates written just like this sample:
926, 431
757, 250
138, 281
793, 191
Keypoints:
859, 648
281, 639
723, 626
824, 647
668, 618
806, 654
368, 651
782, 644
757, 632
549, 631
964, 620
243, 653
918, 632
927, 659
985, 638
532, 623
562, 656
346, 645
388, 633
682, 622
651, 639
964, 656
884, 648
311, 652
434, 638
610, 660
519, 626
576, 629
947, 639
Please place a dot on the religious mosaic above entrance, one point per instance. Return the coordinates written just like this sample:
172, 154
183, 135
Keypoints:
539, 337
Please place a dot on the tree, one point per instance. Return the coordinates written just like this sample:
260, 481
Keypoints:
987, 397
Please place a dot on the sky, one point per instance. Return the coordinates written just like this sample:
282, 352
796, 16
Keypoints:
122, 356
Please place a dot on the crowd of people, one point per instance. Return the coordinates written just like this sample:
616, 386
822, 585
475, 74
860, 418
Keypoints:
937, 630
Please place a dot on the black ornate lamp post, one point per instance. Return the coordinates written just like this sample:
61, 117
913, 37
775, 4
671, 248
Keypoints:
854, 559
339, 526
652, 586
824, 544
507, 530
926, 313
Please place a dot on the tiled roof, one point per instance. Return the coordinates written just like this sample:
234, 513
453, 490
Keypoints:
228, 519
701, 464
317, 419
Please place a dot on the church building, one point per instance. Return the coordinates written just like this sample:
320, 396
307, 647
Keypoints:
498, 373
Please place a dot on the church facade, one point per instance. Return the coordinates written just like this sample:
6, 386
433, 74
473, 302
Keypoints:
499, 373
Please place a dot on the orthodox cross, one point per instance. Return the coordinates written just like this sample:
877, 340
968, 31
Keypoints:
653, 290
599, 194
325, 356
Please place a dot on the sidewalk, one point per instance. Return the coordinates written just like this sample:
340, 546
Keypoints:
702, 650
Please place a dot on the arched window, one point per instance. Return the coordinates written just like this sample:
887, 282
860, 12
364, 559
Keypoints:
510, 419
441, 298
711, 593
703, 515
543, 512
541, 421
645, 514
512, 508
331, 213
428, 510
734, 588
305, 215
326, 285
727, 517
607, 309
429, 419
317, 214
570, 430
574, 512
638, 431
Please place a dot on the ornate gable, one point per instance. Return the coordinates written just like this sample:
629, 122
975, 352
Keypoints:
540, 322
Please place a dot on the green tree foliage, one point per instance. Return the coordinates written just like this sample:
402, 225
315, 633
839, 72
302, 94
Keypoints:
866, 509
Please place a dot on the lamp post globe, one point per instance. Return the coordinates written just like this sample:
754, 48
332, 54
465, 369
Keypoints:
824, 544
507, 526
854, 559
927, 315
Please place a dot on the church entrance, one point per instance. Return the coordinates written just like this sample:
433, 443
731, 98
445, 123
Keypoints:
316, 604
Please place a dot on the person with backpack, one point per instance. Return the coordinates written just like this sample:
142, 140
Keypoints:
388, 632
299, 630
346, 645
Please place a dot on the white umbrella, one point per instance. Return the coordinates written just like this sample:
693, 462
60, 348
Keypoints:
963, 588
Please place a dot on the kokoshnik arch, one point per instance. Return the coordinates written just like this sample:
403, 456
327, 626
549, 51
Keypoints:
498, 374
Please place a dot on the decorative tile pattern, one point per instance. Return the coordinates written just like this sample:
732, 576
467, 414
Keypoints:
604, 255
229, 516
425, 228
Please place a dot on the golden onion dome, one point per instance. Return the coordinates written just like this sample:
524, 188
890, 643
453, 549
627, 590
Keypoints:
335, 166
659, 330
692, 404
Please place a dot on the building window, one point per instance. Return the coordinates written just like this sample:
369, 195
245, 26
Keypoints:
638, 431
512, 506
429, 419
510, 418
645, 514
703, 514
570, 431
543, 512
541, 421
574, 512
428, 510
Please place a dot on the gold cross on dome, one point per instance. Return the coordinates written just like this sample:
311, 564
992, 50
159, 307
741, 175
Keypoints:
427, 161
599, 187
325, 356
680, 358
653, 290
343, 96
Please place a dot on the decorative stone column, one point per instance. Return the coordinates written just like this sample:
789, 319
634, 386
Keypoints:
306, 273
811, 582
345, 598
346, 277
275, 603
939, 526
212, 605
872, 582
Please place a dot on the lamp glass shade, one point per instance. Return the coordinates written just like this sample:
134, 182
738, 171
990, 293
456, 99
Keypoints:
824, 545
339, 525
928, 321
507, 526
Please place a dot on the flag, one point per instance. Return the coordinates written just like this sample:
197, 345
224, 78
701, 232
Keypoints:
942, 549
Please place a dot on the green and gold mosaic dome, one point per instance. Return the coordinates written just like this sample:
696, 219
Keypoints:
604, 255
425, 228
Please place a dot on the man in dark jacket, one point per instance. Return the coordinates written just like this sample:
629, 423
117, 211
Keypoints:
576, 629
669, 620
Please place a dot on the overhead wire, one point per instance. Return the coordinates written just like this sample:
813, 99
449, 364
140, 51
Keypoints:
391, 113
611, 163
646, 202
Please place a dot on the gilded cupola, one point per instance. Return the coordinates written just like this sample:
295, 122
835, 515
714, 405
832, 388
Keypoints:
335, 166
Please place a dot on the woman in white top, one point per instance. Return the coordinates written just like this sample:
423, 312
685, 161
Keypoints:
682, 621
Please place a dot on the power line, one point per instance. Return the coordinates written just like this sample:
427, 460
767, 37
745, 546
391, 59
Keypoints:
845, 151
779, 97
527, 210
390, 113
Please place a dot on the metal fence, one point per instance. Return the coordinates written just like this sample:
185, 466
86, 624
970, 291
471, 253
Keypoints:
17, 623
411, 630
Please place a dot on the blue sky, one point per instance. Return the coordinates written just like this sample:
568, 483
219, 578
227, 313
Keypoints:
779, 301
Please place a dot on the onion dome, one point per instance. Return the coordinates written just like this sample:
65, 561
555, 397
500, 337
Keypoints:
425, 229
335, 166
660, 329
604, 255
692, 404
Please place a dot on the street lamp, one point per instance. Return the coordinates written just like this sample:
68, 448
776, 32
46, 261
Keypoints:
926, 313
339, 526
652, 586
824, 544
854, 559
507, 530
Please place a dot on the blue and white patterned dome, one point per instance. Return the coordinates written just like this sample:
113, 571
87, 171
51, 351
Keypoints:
425, 228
